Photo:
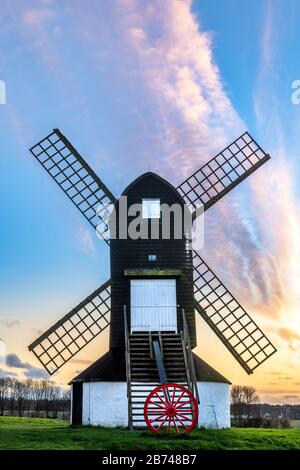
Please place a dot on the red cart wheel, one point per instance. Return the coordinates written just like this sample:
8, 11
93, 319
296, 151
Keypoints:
171, 405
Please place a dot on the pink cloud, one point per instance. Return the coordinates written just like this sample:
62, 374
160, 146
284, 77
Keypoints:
36, 17
84, 240
176, 65
164, 59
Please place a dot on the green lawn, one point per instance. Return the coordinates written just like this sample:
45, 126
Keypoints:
33, 433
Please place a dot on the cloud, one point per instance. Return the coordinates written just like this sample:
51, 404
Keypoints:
7, 373
9, 322
282, 378
81, 361
38, 28
274, 192
176, 66
165, 64
280, 400
291, 397
37, 17
291, 337
37, 331
36, 373
288, 334
260, 256
276, 391
12, 360
2, 350
85, 240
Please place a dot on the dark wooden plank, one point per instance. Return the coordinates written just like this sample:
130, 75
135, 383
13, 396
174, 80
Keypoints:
77, 404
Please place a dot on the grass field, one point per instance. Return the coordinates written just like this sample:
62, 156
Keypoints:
33, 433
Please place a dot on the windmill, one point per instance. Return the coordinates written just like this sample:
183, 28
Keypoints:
156, 287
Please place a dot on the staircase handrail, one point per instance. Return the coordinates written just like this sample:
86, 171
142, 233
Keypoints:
191, 365
128, 368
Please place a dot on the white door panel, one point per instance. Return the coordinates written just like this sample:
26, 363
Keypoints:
153, 305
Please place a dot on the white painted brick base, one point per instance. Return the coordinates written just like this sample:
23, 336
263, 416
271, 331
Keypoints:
105, 404
214, 409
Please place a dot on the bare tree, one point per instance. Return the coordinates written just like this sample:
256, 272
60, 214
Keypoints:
50, 396
30, 395
38, 395
4, 393
242, 399
12, 393
250, 397
237, 402
21, 394
66, 400
54, 395
38, 391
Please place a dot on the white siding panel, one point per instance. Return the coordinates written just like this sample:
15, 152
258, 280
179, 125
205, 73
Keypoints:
153, 305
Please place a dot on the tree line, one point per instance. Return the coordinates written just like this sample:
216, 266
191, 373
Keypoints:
33, 398
245, 411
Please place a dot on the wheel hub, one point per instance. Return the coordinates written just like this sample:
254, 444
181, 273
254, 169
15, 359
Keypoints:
171, 411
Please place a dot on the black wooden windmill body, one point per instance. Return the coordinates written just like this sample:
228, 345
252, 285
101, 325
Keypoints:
156, 287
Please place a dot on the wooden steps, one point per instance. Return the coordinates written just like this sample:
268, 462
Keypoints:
143, 370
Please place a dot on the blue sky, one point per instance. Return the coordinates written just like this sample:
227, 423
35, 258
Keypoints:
161, 85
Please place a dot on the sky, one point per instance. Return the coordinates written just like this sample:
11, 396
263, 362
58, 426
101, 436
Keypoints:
161, 85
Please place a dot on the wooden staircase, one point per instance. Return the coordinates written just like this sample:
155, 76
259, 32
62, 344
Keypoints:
142, 367
143, 370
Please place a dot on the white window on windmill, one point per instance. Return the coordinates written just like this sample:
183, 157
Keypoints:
151, 208
153, 305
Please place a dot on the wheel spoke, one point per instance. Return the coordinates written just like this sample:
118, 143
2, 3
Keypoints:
156, 404
161, 399
182, 393
184, 403
185, 417
175, 425
157, 419
182, 423
169, 424
161, 424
